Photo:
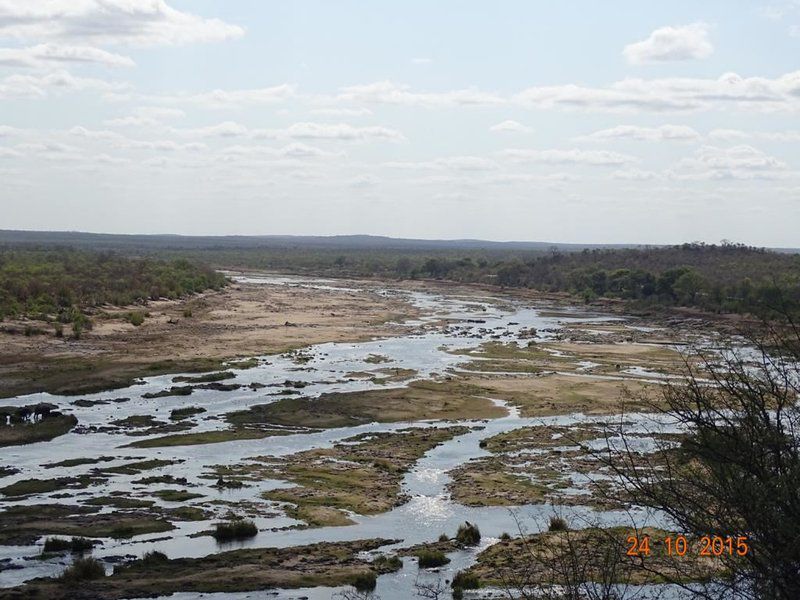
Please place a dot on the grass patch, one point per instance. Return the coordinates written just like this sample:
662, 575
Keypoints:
175, 390
468, 534
44, 430
430, 559
119, 502
557, 524
76, 462
83, 569
207, 437
420, 400
237, 529
207, 378
176, 495
178, 414
75, 544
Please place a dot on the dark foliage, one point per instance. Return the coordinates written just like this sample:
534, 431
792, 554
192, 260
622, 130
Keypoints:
61, 283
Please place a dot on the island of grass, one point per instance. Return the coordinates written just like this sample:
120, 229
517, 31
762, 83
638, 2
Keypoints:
245, 570
361, 474
30, 424
552, 557
420, 400
24, 524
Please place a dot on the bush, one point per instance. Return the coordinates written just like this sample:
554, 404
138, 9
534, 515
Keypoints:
187, 313
237, 529
59, 330
465, 581
388, 563
468, 534
83, 569
429, 559
154, 557
558, 524
75, 544
505, 536
136, 318
444, 538
365, 582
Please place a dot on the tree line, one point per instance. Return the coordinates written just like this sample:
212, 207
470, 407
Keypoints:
63, 283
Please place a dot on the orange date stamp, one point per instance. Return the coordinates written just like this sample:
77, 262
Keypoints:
680, 545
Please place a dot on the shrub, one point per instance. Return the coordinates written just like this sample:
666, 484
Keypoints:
468, 534
154, 557
465, 580
444, 538
505, 536
429, 559
558, 524
187, 313
136, 318
388, 563
59, 330
83, 569
365, 582
237, 529
75, 544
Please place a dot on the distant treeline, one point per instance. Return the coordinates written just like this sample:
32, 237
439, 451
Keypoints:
717, 278
63, 282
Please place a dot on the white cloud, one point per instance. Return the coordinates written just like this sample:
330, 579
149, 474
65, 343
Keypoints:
364, 181
772, 136
635, 175
671, 94
41, 86
510, 126
9, 153
340, 131
737, 162
134, 22
573, 156
225, 129
341, 112
422, 61
671, 43
95, 134
455, 163
387, 92
647, 134
231, 98
6, 131
43, 55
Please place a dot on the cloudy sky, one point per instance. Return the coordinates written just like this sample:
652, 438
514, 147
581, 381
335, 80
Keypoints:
569, 121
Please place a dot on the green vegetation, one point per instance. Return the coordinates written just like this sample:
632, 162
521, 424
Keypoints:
237, 529
30, 432
465, 580
76, 544
63, 284
136, 318
365, 582
429, 559
206, 378
83, 569
207, 437
468, 534
718, 278
179, 414
176, 495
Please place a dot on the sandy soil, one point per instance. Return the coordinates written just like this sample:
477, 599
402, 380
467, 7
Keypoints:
241, 320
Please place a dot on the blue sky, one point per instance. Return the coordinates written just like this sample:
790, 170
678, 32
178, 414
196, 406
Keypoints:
571, 121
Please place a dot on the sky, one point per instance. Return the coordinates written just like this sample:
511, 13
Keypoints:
570, 121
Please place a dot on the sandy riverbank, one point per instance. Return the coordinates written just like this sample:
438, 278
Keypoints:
195, 333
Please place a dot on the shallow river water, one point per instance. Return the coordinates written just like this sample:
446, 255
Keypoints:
468, 322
